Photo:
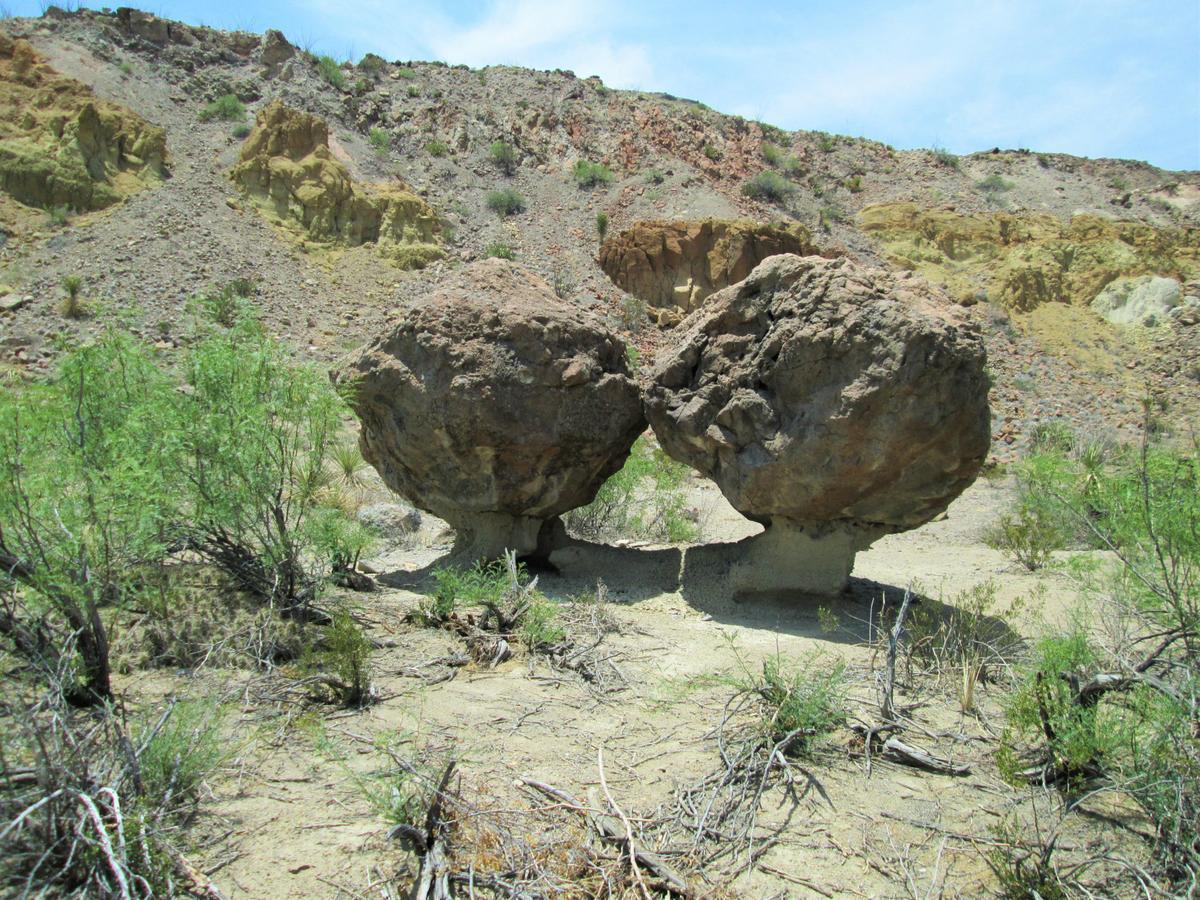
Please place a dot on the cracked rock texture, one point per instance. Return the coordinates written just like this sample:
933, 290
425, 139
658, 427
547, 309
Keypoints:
822, 395
497, 407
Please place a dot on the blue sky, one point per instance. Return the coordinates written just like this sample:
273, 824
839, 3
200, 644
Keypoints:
1097, 78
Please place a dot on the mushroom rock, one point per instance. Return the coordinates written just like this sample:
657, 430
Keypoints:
831, 402
496, 406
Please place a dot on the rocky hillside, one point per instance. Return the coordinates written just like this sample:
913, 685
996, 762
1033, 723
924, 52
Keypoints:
156, 160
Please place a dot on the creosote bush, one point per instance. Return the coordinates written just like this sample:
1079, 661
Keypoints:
227, 108
503, 156
645, 499
589, 174
769, 186
506, 202
437, 148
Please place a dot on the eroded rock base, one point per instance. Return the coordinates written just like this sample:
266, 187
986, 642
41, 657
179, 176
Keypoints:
786, 558
484, 537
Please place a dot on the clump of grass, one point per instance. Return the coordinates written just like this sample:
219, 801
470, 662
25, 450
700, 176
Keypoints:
500, 250
58, 216
380, 140
589, 174
826, 142
240, 131
711, 151
503, 156
227, 109
437, 148
413, 91
853, 184
331, 70
406, 72
655, 176
773, 154
72, 307
994, 184
505, 202
181, 752
828, 216
126, 68
769, 186
799, 705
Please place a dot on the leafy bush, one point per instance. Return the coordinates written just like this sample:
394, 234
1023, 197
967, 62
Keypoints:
331, 70
945, 157
826, 142
601, 224
1117, 703
503, 156
772, 154
372, 64
500, 251
589, 174
437, 148
539, 625
655, 176
227, 108
240, 131
994, 184
799, 704
712, 152
345, 654
645, 499
406, 72
769, 186
180, 749
380, 140
505, 202
853, 184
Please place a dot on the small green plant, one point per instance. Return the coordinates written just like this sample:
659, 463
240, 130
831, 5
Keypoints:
655, 176
774, 155
345, 655
769, 186
182, 748
712, 152
1119, 183
126, 68
540, 629
437, 148
828, 216
994, 184
505, 202
633, 313
331, 70
240, 131
72, 306
406, 72
227, 108
853, 184
826, 142
380, 140
799, 705
589, 174
503, 156
944, 157
601, 224
1029, 534
412, 91
645, 499
372, 64
500, 250
58, 216
633, 356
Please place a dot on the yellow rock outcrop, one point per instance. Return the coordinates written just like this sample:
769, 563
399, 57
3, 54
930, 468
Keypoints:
288, 171
60, 146
674, 266
1024, 260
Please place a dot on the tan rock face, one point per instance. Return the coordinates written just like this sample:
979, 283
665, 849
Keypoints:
496, 406
287, 168
825, 395
677, 265
62, 146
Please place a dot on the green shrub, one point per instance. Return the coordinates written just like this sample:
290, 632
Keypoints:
945, 157
456, 587
503, 156
380, 140
58, 216
126, 68
331, 70
505, 202
853, 184
345, 655
227, 108
994, 184
712, 152
372, 64
406, 72
645, 499
437, 148
601, 224
826, 142
589, 174
633, 313
769, 186
240, 131
539, 626
799, 704
182, 748
655, 176
72, 306
500, 250
773, 155
828, 216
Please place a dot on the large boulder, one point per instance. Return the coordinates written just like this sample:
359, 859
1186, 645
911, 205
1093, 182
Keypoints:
675, 266
1146, 300
496, 406
831, 402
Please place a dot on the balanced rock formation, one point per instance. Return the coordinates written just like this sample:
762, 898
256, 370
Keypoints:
288, 169
831, 402
674, 266
61, 146
497, 407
